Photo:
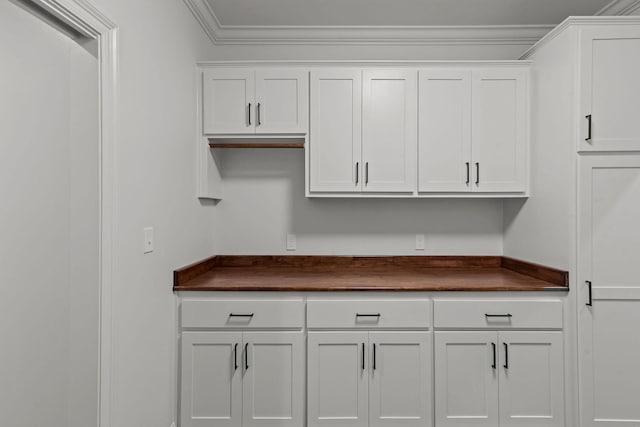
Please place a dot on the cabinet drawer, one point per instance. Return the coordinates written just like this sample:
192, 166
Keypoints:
242, 314
368, 314
497, 314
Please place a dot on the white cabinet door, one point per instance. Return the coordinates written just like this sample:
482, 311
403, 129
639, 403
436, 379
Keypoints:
337, 385
444, 148
389, 130
211, 379
400, 379
610, 87
273, 385
282, 101
466, 379
335, 133
228, 101
499, 130
608, 258
531, 379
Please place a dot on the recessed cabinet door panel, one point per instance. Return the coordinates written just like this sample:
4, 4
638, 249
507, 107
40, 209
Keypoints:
444, 149
608, 248
227, 94
273, 386
400, 379
211, 383
389, 130
465, 380
282, 101
337, 370
335, 131
531, 379
610, 64
499, 130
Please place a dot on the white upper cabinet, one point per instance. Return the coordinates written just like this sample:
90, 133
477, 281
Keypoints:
610, 87
389, 130
247, 101
444, 151
499, 130
228, 98
282, 101
473, 130
335, 138
363, 130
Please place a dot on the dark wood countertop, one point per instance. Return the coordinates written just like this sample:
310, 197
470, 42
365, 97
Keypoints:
347, 273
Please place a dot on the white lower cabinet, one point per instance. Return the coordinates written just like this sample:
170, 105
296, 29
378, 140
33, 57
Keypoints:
242, 379
505, 378
361, 379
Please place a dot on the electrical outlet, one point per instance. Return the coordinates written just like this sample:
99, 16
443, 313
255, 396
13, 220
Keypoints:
291, 242
148, 240
420, 242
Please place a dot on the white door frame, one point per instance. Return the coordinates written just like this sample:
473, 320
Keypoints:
88, 21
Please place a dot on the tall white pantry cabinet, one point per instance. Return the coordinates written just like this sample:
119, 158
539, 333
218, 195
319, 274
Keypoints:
585, 161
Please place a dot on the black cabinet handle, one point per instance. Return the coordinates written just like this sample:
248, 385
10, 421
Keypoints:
588, 138
246, 356
258, 114
357, 172
493, 346
249, 113
498, 315
363, 356
590, 287
366, 173
374, 356
477, 173
506, 355
235, 357
240, 315
367, 314
467, 163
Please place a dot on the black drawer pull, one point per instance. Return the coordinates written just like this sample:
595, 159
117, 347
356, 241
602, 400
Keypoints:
506, 355
246, 356
374, 356
368, 314
235, 357
498, 315
493, 346
240, 315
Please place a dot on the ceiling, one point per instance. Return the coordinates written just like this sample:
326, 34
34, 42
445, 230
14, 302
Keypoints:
392, 22
232, 13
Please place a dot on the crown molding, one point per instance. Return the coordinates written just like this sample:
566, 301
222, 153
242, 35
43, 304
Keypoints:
579, 20
619, 8
362, 35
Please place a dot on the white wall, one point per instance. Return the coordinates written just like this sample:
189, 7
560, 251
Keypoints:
540, 230
264, 201
264, 190
159, 44
48, 182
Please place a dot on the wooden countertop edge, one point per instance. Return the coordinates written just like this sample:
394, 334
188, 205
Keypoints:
189, 278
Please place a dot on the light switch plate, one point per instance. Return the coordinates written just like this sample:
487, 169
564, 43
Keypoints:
148, 240
420, 242
291, 242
